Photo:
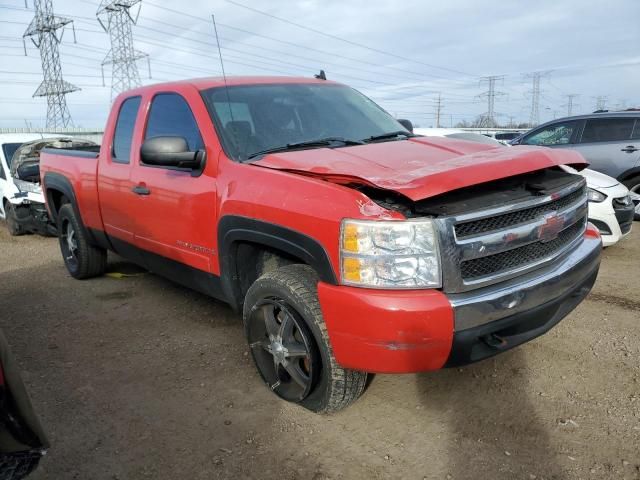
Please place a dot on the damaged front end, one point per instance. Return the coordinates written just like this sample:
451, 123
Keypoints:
28, 212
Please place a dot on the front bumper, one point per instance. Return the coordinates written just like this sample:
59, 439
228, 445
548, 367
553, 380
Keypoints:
613, 220
33, 217
411, 331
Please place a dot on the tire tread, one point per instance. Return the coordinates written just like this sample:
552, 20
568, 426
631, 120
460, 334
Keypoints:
345, 386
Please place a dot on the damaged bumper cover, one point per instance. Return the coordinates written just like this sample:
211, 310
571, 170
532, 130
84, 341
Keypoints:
32, 214
411, 331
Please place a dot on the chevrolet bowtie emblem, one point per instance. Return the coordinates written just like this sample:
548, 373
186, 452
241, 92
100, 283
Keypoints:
551, 227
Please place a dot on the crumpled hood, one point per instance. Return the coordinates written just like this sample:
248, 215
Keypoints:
420, 167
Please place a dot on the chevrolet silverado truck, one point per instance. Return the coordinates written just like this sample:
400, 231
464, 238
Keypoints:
350, 245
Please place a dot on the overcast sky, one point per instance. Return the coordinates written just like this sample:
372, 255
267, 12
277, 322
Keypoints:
401, 54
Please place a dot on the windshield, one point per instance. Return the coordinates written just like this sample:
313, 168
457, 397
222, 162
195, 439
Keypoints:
9, 149
256, 118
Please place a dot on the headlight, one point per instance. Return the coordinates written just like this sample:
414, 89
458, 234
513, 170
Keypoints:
379, 254
595, 196
27, 186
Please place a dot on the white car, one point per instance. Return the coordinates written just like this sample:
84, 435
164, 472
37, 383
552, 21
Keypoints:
611, 205
21, 206
611, 208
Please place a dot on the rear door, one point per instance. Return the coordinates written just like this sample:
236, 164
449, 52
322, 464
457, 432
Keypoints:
176, 210
608, 144
114, 172
560, 134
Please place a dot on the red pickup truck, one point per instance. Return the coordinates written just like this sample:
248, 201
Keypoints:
350, 245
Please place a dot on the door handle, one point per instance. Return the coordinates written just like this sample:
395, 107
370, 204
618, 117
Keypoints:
629, 149
141, 190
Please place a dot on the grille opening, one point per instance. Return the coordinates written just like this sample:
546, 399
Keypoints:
521, 256
512, 219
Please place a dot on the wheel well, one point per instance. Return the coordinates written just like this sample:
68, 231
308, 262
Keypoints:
254, 260
629, 174
56, 200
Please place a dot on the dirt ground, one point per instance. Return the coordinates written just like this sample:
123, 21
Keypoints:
139, 378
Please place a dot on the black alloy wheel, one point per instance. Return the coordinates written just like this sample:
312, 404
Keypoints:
283, 349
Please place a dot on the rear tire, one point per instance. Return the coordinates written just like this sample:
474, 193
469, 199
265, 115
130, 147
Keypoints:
286, 299
11, 218
82, 259
633, 184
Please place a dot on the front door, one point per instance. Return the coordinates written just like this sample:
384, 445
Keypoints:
175, 211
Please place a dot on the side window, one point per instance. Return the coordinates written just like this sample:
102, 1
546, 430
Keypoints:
556, 134
636, 131
123, 134
2, 174
170, 115
607, 130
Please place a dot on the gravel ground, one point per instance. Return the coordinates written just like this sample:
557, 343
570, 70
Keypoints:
139, 378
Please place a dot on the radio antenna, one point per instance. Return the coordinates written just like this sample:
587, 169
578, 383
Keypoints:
224, 76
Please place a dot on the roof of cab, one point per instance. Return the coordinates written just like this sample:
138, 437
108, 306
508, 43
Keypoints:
211, 82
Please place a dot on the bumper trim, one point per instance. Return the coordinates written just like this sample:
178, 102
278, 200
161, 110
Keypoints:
484, 341
496, 302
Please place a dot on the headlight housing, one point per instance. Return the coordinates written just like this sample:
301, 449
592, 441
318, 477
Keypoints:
595, 195
27, 186
390, 254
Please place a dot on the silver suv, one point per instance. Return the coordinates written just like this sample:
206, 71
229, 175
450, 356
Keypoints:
609, 141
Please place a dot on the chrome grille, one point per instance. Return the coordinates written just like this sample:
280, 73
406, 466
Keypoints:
520, 256
511, 219
493, 245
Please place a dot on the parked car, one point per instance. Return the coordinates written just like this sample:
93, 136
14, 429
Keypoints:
611, 208
502, 137
459, 134
22, 439
22, 200
610, 141
14, 200
350, 245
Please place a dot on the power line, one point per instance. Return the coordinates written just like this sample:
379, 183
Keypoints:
43, 31
335, 37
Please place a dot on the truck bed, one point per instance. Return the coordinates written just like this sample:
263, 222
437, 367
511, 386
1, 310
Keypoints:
78, 168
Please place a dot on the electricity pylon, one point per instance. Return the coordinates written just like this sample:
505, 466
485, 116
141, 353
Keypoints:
488, 119
45, 31
116, 19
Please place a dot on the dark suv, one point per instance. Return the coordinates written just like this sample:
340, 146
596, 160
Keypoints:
609, 141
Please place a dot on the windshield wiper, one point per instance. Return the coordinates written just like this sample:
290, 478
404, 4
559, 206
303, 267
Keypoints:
384, 136
320, 142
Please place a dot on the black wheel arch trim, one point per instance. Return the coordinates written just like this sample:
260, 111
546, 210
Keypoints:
53, 181
630, 173
233, 230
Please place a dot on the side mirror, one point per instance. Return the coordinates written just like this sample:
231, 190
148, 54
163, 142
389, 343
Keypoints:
170, 152
29, 171
406, 124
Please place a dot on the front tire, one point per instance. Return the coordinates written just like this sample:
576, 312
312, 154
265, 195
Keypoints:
290, 345
11, 218
82, 259
633, 184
